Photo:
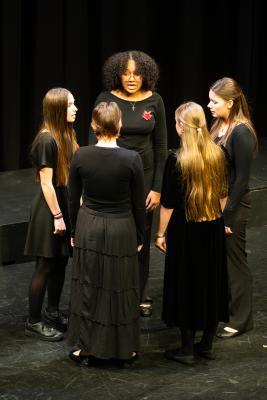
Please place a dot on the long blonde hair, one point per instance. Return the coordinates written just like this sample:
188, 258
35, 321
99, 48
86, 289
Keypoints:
55, 107
229, 89
203, 165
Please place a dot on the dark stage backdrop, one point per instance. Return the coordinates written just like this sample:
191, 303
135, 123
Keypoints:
48, 43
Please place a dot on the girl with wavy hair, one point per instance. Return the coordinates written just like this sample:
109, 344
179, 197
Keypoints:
193, 194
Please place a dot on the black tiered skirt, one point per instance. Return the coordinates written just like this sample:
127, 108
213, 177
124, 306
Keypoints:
104, 308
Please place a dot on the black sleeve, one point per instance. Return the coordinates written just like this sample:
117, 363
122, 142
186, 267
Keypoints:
171, 194
138, 197
159, 145
44, 153
242, 146
75, 191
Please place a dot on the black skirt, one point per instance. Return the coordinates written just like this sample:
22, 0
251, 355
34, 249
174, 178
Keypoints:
104, 307
40, 239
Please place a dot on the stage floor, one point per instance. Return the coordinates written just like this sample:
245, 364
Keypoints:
36, 370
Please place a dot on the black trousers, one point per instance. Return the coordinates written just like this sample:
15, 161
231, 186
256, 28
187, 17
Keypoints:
144, 258
240, 277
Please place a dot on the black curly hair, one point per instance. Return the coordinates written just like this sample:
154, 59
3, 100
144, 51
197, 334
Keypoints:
116, 65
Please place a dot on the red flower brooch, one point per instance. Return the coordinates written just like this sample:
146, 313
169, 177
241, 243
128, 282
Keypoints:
147, 115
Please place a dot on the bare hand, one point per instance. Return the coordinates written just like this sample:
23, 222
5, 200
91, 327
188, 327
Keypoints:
139, 248
60, 227
72, 242
228, 230
160, 244
152, 200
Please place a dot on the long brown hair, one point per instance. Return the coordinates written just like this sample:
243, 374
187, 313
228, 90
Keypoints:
55, 124
229, 89
202, 163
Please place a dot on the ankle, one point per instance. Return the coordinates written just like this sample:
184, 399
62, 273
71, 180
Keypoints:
33, 321
52, 310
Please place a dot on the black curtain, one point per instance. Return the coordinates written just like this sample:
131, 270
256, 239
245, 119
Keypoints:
48, 43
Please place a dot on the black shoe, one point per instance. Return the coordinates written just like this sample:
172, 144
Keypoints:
126, 363
146, 311
43, 332
223, 334
208, 354
178, 356
80, 359
57, 320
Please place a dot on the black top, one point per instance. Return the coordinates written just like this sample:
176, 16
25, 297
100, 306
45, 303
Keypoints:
144, 130
44, 154
240, 147
111, 180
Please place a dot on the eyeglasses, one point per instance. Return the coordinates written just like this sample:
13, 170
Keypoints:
128, 75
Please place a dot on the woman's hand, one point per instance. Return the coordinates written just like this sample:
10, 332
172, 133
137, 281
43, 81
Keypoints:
160, 244
228, 230
152, 200
60, 227
139, 248
72, 242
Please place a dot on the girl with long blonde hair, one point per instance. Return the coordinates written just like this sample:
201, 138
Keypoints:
191, 233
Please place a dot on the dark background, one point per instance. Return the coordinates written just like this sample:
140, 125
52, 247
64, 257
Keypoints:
48, 43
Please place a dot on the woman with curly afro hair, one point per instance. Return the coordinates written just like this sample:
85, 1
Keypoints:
130, 79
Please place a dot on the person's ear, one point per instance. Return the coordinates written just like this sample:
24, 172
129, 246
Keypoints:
230, 104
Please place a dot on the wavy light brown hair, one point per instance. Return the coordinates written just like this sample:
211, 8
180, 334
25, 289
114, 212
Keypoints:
106, 119
229, 89
55, 124
203, 165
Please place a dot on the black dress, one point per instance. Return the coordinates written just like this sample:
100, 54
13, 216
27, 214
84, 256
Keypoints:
195, 282
40, 239
143, 130
104, 306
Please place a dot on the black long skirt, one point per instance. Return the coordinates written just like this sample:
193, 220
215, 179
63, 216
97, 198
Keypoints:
104, 307
195, 291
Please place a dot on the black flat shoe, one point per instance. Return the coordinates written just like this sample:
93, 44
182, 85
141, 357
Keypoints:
126, 363
57, 320
178, 356
208, 354
80, 359
223, 334
146, 311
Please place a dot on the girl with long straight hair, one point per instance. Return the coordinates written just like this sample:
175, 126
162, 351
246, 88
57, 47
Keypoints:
191, 233
233, 129
48, 237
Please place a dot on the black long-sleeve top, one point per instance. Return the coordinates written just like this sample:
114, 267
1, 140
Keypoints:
143, 130
111, 180
240, 147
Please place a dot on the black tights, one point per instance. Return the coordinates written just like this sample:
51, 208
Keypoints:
49, 274
188, 336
